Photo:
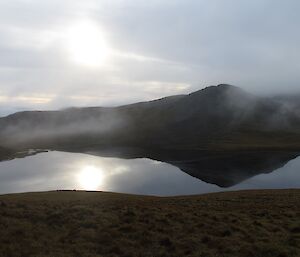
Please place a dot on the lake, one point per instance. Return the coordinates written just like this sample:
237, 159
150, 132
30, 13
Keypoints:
61, 170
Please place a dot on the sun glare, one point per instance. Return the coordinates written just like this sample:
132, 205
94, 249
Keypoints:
90, 178
87, 45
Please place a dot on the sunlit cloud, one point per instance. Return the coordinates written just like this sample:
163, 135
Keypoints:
142, 58
62, 53
152, 89
35, 99
168, 87
86, 44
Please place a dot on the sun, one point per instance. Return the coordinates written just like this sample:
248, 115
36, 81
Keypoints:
90, 178
87, 45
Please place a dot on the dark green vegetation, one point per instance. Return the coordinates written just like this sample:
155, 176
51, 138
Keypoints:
248, 223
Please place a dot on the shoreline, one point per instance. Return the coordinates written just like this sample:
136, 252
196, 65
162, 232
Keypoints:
141, 195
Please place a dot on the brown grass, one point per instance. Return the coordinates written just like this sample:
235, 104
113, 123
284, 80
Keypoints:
249, 223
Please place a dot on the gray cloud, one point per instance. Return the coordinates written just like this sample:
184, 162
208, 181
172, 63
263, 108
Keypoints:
159, 48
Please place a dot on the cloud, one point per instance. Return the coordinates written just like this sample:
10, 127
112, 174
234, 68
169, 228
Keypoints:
159, 48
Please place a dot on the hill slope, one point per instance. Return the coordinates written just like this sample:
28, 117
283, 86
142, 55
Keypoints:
217, 117
233, 224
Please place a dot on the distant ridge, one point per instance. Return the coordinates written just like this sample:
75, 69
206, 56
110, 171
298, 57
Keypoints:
216, 117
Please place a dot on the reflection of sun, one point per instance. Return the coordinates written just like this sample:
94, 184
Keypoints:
90, 178
86, 44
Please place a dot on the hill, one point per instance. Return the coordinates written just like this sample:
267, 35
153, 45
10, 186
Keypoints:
218, 117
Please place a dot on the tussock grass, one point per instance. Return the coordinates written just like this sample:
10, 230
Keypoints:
248, 223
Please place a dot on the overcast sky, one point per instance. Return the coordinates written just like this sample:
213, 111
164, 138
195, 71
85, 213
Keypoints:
61, 53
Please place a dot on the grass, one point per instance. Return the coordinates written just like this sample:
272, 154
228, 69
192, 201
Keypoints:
57, 224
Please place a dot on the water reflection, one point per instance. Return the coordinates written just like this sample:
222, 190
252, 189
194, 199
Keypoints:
91, 178
60, 170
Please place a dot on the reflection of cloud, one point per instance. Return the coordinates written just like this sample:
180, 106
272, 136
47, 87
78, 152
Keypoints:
138, 176
119, 170
156, 162
91, 177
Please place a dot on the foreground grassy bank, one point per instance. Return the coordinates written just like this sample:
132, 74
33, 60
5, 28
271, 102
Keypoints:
248, 223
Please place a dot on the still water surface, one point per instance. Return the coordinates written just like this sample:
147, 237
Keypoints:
60, 170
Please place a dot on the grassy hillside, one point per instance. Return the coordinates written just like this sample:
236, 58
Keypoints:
220, 117
248, 223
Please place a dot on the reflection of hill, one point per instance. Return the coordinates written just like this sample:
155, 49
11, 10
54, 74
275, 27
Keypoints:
223, 169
